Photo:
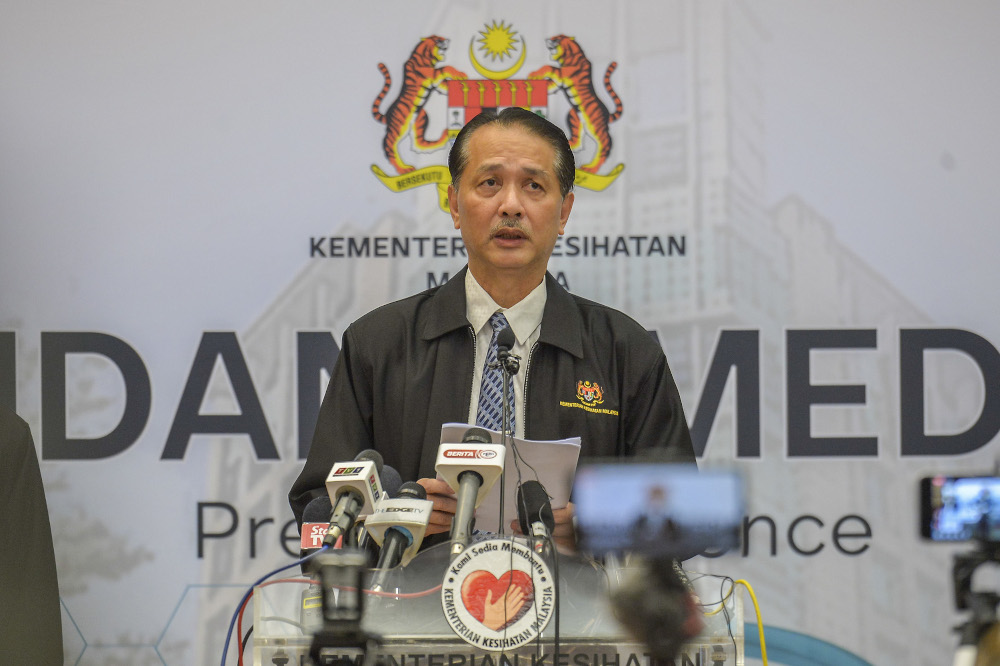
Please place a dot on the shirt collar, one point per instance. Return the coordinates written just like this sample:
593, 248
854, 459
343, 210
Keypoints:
524, 316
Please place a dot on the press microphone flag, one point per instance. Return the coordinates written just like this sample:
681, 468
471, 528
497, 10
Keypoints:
315, 523
354, 489
471, 469
485, 460
317, 514
398, 526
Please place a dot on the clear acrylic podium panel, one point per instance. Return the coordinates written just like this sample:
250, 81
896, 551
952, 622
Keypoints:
410, 622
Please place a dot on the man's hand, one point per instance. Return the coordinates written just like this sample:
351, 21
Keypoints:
445, 504
563, 533
695, 619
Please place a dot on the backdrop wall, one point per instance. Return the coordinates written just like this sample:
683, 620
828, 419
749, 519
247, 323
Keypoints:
797, 199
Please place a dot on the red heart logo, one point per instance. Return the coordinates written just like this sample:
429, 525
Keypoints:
513, 589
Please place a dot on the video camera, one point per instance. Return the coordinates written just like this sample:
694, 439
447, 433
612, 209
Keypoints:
966, 509
661, 513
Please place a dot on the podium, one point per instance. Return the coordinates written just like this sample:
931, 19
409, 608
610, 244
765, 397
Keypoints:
410, 625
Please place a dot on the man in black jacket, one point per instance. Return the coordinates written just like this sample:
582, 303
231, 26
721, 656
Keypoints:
30, 617
587, 370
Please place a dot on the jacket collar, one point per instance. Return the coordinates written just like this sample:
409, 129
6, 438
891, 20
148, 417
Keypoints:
445, 311
562, 324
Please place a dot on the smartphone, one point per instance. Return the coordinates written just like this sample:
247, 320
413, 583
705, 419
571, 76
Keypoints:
960, 508
657, 509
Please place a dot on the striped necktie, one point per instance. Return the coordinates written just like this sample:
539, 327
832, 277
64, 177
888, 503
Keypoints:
490, 414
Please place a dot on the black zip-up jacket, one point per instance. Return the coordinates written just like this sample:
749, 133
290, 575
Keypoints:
406, 368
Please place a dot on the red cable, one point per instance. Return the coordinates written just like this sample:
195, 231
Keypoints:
239, 620
395, 595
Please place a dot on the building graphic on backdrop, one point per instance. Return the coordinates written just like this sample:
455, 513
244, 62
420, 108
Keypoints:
417, 124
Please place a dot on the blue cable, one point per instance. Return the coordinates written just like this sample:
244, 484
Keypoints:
232, 623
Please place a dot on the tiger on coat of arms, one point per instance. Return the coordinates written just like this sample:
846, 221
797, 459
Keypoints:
587, 111
420, 77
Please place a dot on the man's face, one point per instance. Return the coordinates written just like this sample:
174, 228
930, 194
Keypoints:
508, 205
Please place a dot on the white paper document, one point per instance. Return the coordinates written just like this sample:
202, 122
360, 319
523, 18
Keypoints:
551, 463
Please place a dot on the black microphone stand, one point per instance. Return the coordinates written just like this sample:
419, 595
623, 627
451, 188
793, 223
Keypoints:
981, 604
510, 364
340, 577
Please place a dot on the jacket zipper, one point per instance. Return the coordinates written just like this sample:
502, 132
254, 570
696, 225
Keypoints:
524, 406
472, 381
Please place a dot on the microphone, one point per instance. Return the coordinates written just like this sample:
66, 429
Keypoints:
505, 342
510, 363
398, 525
472, 468
653, 604
477, 436
354, 488
391, 481
315, 524
534, 512
317, 514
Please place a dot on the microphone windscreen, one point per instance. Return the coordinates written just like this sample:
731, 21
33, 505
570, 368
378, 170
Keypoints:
391, 480
533, 505
652, 604
374, 456
505, 339
318, 510
477, 436
413, 490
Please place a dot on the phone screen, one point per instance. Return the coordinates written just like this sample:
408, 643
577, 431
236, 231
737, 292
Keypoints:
960, 508
658, 509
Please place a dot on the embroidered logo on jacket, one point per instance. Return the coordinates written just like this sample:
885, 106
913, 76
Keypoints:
590, 395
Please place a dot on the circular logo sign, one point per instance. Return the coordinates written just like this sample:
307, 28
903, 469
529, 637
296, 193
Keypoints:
498, 595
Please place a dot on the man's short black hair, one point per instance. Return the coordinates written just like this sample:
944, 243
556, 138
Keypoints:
564, 165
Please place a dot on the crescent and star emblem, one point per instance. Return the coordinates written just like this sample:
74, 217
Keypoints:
498, 42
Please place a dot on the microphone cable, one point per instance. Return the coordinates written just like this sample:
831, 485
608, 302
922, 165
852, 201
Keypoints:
725, 595
518, 460
246, 598
551, 542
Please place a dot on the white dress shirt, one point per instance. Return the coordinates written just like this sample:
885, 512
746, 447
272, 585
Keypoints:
525, 320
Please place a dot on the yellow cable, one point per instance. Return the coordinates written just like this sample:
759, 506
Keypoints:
760, 623
756, 607
722, 604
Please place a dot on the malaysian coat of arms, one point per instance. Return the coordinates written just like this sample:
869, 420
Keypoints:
432, 93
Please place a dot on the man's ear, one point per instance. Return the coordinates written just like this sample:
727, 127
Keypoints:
567, 206
453, 204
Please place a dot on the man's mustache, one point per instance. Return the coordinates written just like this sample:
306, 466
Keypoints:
508, 223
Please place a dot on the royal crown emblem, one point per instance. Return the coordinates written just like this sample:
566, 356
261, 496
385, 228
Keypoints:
589, 393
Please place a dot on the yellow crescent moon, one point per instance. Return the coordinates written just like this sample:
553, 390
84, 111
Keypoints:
496, 76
